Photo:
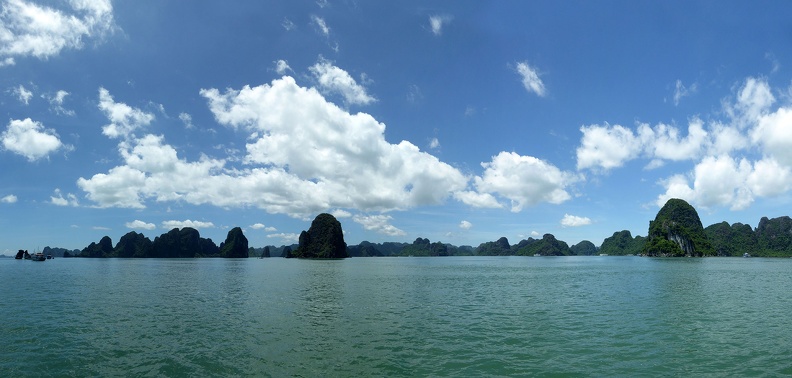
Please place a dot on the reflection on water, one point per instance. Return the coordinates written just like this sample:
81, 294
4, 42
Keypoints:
493, 316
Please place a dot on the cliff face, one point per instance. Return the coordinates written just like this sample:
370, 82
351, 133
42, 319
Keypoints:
324, 239
677, 231
235, 245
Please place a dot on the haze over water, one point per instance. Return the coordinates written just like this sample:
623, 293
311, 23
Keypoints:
448, 316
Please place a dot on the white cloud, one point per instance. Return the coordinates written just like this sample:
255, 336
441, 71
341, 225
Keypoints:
171, 224
56, 103
286, 237
288, 24
261, 226
378, 223
332, 79
321, 25
465, 225
434, 143
774, 133
724, 181
23, 94
437, 23
139, 224
530, 79
753, 101
124, 119
664, 142
30, 139
681, 91
475, 199
9, 199
59, 200
606, 147
282, 67
335, 159
574, 221
28, 29
186, 118
339, 213
525, 180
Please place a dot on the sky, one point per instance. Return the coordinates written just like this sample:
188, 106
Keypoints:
456, 121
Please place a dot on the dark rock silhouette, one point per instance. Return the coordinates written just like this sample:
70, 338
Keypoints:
235, 245
323, 240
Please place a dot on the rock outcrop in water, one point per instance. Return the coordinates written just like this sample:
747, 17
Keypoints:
323, 240
547, 246
584, 248
103, 249
235, 245
622, 243
677, 231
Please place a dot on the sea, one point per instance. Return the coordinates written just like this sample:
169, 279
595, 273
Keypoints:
603, 316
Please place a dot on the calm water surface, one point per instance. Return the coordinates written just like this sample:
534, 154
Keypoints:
449, 316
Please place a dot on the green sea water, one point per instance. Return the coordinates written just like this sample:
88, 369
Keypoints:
447, 316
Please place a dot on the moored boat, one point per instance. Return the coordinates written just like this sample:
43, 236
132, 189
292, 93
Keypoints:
38, 256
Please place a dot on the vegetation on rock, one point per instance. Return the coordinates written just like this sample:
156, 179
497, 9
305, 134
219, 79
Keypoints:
622, 243
677, 231
547, 246
323, 240
235, 245
584, 248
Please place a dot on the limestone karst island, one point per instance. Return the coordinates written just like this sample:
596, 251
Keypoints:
676, 231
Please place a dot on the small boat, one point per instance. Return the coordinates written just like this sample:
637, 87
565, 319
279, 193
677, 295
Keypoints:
746, 255
38, 256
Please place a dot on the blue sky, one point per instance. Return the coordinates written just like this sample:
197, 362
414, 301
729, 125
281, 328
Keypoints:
457, 121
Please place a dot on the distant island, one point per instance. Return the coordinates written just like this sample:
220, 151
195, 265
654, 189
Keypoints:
676, 231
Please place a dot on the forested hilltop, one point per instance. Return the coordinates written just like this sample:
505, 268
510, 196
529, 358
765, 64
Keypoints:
676, 231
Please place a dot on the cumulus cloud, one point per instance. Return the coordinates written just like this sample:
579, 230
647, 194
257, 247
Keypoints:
334, 80
60, 200
28, 29
9, 199
285, 237
139, 224
282, 67
434, 143
604, 147
378, 223
745, 156
475, 199
341, 160
465, 225
30, 139
305, 156
124, 119
530, 79
261, 226
23, 94
437, 22
171, 224
574, 221
524, 180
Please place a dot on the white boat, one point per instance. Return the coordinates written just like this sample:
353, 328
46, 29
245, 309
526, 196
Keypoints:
38, 256
746, 254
